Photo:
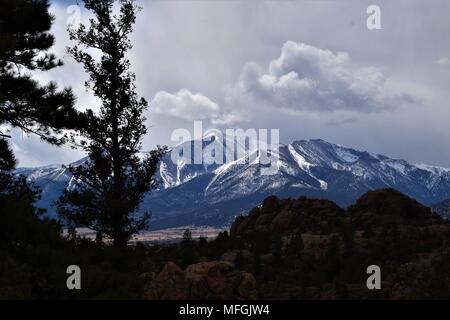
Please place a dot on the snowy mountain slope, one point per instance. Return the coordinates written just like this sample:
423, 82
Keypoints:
52, 180
212, 194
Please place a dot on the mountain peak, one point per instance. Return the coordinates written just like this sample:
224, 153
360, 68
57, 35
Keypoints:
214, 193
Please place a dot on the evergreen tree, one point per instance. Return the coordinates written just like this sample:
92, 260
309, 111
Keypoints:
25, 41
19, 218
7, 159
113, 182
187, 236
188, 252
7, 163
202, 242
24, 103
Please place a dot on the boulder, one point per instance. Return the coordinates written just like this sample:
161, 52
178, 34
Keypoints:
270, 205
247, 287
169, 284
217, 280
282, 221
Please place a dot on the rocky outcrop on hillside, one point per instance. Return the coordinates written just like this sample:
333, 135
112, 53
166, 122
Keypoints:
313, 249
387, 207
217, 280
276, 215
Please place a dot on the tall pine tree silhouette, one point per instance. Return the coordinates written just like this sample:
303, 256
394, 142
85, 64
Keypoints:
25, 42
113, 182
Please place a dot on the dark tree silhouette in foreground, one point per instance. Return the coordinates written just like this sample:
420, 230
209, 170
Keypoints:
113, 182
25, 41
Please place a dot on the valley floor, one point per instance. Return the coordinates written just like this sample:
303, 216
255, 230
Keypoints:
166, 236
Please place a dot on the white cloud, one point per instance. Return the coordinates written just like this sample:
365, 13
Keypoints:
189, 106
173, 49
307, 78
185, 105
302, 78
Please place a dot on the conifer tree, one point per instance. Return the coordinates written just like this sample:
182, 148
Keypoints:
113, 182
25, 42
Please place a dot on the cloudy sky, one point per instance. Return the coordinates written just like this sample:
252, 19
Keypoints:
310, 68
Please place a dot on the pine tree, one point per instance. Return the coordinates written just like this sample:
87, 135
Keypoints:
7, 163
25, 41
188, 252
113, 182
187, 236
7, 159
20, 223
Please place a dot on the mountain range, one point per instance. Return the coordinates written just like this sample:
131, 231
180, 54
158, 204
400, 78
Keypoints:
214, 194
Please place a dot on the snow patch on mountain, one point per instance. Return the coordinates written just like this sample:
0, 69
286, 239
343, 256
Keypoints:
210, 193
345, 154
433, 169
301, 161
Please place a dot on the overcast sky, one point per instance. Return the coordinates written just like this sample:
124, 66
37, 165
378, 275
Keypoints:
310, 68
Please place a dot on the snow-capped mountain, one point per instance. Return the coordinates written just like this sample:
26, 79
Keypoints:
208, 193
